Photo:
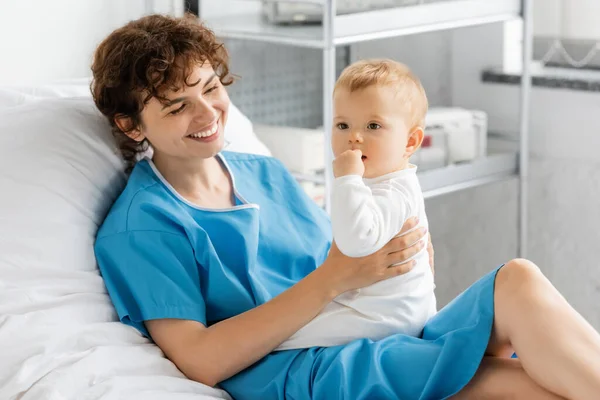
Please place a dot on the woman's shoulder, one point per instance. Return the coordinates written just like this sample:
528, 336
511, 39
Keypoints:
143, 196
255, 166
256, 160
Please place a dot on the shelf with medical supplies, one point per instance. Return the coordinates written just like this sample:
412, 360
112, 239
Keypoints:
495, 167
298, 23
456, 153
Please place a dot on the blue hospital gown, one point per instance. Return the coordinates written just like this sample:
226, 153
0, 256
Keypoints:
163, 257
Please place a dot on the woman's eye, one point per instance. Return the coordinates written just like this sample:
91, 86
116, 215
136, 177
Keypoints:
212, 89
342, 126
373, 126
180, 109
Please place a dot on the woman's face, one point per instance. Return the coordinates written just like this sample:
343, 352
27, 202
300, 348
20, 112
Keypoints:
191, 124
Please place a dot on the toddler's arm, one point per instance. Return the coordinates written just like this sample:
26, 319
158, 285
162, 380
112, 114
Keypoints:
364, 220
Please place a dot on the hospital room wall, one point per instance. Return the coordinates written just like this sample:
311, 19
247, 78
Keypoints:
564, 181
572, 19
475, 230
52, 40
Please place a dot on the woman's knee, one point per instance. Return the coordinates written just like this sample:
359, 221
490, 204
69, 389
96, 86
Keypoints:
518, 273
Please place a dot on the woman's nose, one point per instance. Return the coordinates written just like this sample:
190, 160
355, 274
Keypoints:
204, 109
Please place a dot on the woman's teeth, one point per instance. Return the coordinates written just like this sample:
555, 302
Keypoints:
206, 133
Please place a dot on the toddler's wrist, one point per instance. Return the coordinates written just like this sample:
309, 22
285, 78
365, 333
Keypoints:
352, 178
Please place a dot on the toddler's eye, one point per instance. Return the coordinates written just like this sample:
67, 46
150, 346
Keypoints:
342, 125
373, 126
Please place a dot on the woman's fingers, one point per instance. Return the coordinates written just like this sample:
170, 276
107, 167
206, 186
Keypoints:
400, 269
431, 254
403, 247
408, 225
401, 256
405, 241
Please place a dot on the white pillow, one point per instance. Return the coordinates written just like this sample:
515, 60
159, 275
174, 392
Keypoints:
62, 88
59, 173
59, 334
12, 98
239, 133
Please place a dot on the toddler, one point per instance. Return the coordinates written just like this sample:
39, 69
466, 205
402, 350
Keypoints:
379, 113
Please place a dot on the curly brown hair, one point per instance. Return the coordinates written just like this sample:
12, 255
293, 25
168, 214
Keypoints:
142, 60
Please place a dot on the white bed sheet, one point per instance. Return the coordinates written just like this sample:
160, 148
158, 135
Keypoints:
64, 344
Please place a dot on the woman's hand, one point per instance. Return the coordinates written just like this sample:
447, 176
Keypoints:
353, 273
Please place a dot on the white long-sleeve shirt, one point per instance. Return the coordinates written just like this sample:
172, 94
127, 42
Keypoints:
366, 214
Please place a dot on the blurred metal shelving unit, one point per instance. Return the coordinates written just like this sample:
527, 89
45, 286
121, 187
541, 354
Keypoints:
427, 16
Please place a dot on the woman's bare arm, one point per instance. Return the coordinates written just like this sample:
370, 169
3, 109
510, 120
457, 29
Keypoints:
211, 355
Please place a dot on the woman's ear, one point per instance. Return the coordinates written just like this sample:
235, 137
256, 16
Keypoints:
125, 124
415, 138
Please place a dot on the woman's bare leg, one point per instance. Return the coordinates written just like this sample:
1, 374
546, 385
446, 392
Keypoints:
556, 347
502, 378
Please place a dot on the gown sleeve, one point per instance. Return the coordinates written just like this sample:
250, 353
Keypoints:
151, 275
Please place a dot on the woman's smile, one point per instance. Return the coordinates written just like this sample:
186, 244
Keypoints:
207, 134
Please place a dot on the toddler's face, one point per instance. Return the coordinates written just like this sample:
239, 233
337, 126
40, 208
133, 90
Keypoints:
372, 121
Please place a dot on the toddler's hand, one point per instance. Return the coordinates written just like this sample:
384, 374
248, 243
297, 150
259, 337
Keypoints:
349, 163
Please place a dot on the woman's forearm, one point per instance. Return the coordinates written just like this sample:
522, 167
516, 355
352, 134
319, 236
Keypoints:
232, 345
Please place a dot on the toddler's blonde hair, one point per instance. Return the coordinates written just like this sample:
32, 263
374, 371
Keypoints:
412, 100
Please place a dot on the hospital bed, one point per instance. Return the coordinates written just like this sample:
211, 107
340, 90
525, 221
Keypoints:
60, 338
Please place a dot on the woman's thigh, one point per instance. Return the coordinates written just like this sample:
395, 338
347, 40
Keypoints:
503, 378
